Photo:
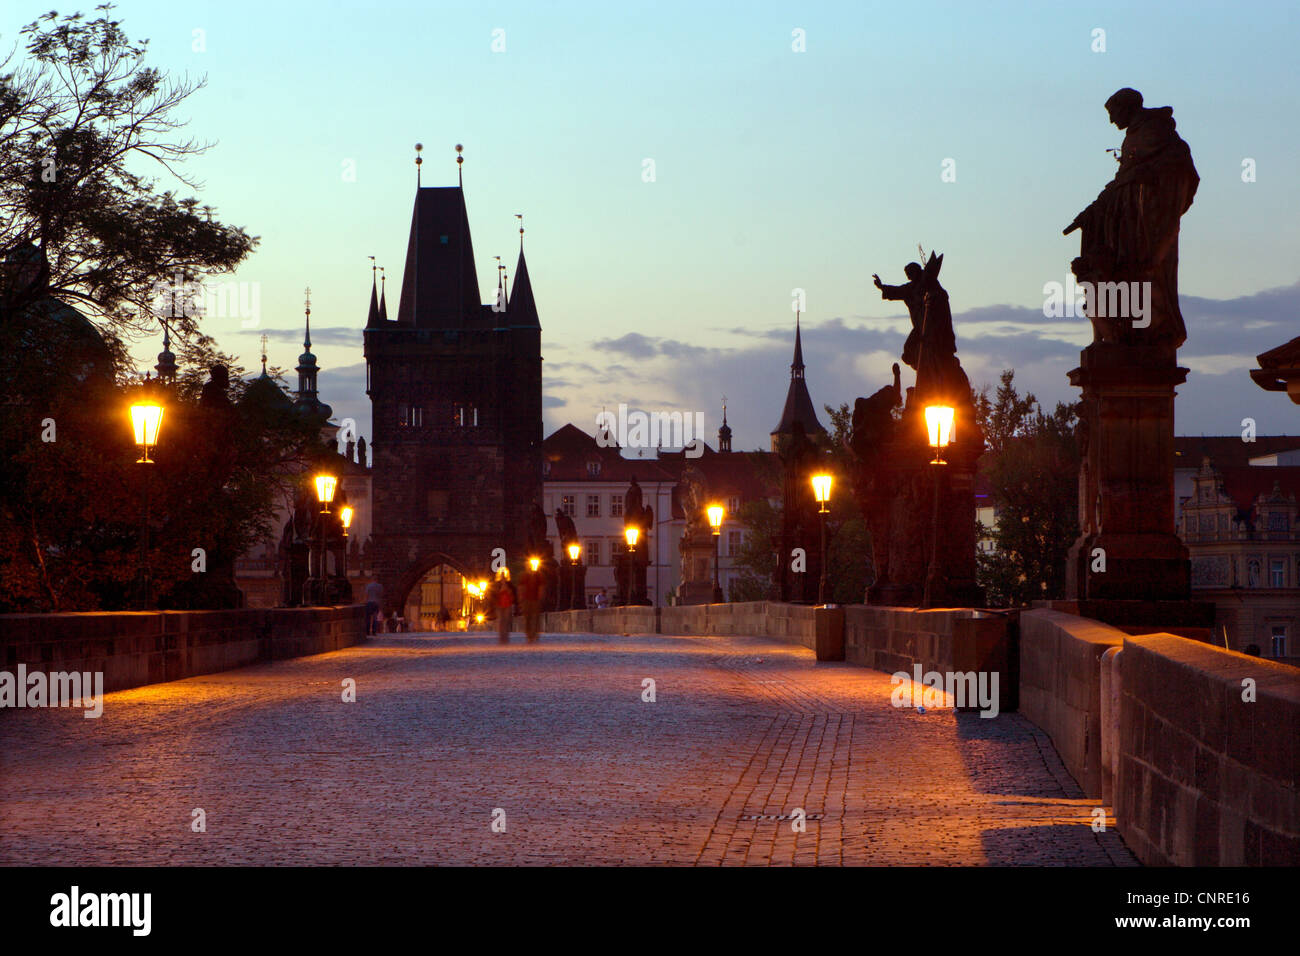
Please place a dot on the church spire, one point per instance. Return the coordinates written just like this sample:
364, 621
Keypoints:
797, 367
383, 299
166, 367
724, 433
798, 403
524, 311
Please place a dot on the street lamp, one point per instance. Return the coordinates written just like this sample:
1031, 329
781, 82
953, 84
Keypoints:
716, 514
821, 483
631, 533
577, 582
534, 563
939, 423
146, 420
325, 485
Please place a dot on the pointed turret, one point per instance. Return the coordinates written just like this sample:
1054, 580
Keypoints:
523, 308
724, 433
439, 284
383, 299
372, 317
798, 403
307, 370
166, 367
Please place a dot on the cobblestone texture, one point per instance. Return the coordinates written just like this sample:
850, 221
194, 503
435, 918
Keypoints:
447, 729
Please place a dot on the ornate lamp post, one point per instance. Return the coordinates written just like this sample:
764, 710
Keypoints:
716, 513
939, 424
578, 594
822, 492
631, 533
146, 420
326, 485
345, 515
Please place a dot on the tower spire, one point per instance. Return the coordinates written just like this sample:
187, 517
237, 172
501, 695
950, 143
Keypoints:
724, 433
797, 367
520, 217
306, 340
418, 162
383, 298
264, 341
372, 317
460, 161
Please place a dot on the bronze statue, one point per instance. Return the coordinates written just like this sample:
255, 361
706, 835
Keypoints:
1130, 231
565, 529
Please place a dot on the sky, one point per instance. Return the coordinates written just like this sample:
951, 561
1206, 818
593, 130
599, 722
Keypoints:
684, 168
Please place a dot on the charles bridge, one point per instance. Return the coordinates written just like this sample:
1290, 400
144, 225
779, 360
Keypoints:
725, 733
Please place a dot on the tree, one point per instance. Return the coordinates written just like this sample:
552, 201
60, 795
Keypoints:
78, 121
1032, 468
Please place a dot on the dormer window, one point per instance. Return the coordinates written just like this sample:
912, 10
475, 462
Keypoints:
593, 469
546, 468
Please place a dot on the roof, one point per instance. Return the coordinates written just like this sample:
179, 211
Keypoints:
798, 403
522, 310
1245, 483
1278, 365
569, 449
439, 284
1226, 451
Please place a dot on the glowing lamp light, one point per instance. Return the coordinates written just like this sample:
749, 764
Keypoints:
479, 618
939, 423
482, 585
575, 551
325, 485
716, 514
822, 491
534, 563
631, 532
146, 418
346, 516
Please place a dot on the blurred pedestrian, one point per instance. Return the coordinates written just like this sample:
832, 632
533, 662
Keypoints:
505, 600
532, 591
374, 599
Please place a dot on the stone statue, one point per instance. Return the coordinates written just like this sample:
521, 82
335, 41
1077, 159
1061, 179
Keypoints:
565, 529
632, 502
873, 419
1130, 231
214, 389
536, 528
931, 346
693, 494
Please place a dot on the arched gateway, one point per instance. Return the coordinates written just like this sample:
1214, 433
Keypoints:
456, 402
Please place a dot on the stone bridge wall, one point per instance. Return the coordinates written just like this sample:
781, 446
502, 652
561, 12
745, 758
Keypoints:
1201, 776
132, 648
1207, 778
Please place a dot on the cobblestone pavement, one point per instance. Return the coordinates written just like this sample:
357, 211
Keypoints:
449, 732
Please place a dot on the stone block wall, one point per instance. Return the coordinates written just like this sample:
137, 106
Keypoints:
133, 648
1206, 777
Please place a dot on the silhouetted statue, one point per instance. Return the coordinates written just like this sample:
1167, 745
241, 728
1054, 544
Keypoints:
537, 528
1130, 231
873, 419
565, 529
632, 502
361, 451
931, 347
214, 389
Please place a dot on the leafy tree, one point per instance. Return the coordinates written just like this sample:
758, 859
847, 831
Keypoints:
1032, 468
81, 121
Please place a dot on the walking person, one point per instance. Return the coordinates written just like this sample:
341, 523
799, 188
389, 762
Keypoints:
374, 599
532, 592
504, 599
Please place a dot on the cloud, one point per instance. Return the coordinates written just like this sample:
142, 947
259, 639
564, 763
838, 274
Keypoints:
328, 335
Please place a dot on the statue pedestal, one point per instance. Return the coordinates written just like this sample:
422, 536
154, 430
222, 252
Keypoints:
1126, 483
697, 568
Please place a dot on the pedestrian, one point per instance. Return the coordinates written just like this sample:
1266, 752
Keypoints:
602, 599
504, 599
374, 599
532, 592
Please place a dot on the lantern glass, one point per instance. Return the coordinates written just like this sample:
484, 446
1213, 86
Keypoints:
939, 423
631, 532
325, 485
716, 514
534, 563
822, 488
575, 550
346, 515
146, 419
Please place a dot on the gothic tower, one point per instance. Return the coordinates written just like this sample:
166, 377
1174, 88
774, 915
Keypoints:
456, 402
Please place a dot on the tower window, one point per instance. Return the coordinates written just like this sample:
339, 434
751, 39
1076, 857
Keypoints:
464, 415
409, 416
